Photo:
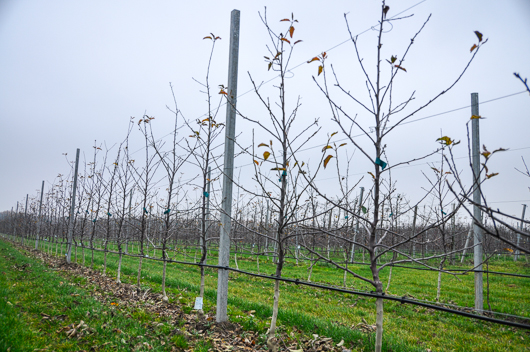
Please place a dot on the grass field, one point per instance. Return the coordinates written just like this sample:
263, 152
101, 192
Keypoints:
40, 310
346, 317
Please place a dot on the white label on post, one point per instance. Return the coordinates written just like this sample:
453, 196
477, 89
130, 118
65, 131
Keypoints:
198, 303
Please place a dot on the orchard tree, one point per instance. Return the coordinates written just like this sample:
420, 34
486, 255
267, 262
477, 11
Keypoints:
379, 117
276, 151
204, 133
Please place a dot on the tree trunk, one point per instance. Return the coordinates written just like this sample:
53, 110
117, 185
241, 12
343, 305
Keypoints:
105, 263
439, 286
272, 344
164, 295
201, 291
389, 278
119, 270
379, 325
139, 275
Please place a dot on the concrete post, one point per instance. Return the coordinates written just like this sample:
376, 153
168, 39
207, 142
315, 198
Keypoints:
38, 219
352, 253
208, 200
477, 214
516, 256
72, 210
25, 219
224, 240
267, 228
414, 231
15, 224
127, 232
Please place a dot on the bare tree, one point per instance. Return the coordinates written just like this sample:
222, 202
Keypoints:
143, 179
282, 188
386, 115
204, 133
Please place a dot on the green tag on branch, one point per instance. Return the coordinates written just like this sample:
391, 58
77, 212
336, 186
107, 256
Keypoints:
380, 163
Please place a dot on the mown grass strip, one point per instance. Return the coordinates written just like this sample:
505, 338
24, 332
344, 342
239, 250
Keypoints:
38, 308
407, 328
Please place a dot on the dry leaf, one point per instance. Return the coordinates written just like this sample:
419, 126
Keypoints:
326, 161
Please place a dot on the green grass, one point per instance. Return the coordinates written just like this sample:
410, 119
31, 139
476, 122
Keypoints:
38, 307
406, 328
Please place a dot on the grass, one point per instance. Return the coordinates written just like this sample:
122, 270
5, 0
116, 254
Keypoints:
39, 310
308, 310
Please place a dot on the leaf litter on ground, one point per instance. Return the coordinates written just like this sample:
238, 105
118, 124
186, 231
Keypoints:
124, 298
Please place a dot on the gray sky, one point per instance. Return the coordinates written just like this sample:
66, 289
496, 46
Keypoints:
75, 72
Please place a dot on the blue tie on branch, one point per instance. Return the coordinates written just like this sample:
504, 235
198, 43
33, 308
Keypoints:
346, 217
206, 194
146, 211
284, 174
167, 211
380, 163
109, 214
443, 212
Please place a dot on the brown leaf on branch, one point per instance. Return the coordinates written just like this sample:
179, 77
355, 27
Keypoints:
445, 140
326, 161
385, 10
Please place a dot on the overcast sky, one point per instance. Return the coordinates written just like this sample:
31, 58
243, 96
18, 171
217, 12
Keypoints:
74, 72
